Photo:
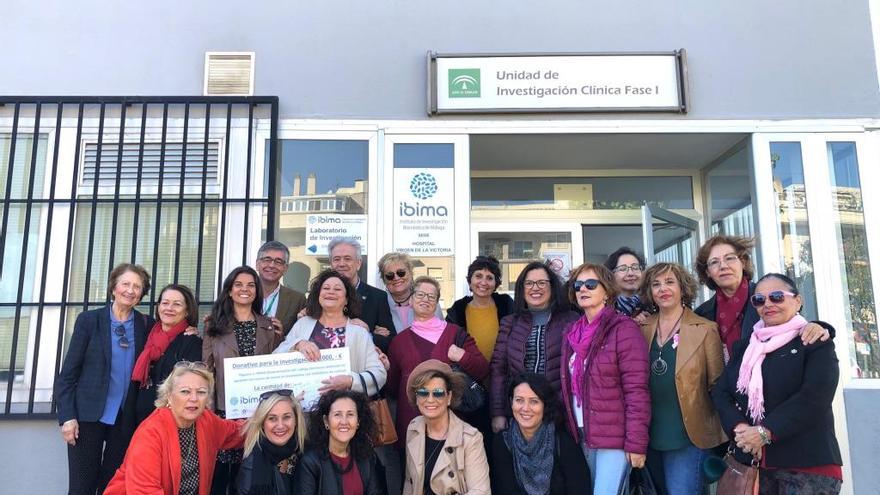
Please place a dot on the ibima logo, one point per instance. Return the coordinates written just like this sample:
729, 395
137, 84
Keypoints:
464, 83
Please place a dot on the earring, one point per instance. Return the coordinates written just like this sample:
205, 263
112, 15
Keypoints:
345, 310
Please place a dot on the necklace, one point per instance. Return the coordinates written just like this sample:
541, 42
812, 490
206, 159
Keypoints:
659, 366
402, 301
436, 449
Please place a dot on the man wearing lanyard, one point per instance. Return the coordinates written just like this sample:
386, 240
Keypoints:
345, 258
280, 303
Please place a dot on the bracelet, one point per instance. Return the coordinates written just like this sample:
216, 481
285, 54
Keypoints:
765, 438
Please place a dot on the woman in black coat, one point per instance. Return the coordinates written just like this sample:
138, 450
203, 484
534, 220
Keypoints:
535, 454
774, 397
340, 458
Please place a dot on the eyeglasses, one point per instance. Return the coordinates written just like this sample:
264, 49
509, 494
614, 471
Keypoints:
123, 340
389, 276
424, 295
590, 284
540, 284
776, 297
628, 268
437, 393
191, 365
275, 261
728, 259
283, 392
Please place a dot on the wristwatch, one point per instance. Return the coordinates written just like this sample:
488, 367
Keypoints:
765, 438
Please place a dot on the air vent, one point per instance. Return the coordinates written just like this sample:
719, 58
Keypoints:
229, 73
195, 167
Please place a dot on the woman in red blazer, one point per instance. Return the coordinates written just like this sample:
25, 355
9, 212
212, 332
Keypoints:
173, 451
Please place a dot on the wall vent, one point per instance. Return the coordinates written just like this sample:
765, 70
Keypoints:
196, 168
229, 74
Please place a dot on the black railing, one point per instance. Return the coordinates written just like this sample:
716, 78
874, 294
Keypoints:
61, 240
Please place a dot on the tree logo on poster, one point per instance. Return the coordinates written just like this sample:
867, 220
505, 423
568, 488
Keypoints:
423, 186
464, 83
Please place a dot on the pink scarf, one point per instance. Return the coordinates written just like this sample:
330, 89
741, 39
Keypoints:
430, 330
764, 340
580, 338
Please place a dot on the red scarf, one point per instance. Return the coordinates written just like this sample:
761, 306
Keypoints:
729, 312
157, 342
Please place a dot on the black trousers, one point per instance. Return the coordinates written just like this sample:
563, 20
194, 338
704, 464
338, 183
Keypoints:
97, 455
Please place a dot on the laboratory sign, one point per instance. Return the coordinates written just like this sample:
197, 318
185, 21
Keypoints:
549, 83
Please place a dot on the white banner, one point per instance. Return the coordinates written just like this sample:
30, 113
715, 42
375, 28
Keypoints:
424, 211
320, 229
248, 377
581, 83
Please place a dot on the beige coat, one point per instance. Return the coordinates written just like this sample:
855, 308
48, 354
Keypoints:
461, 467
698, 364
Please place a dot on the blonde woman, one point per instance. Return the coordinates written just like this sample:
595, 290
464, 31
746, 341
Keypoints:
274, 438
174, 450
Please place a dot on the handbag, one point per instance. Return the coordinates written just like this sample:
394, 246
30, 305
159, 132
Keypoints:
637, 482
474, 396
738, 478
386, 433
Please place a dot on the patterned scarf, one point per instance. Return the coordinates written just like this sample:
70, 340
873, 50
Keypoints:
157, 342
729, 313
627, 304
764, 340
532, 459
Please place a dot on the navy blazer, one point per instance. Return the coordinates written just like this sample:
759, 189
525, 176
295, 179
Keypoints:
375, 311
81, 386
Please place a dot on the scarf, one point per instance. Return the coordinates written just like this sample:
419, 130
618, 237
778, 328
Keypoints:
430, 330
580, 338
764, 340
266, 458
157, 342
532, 460
627, 304
729, 312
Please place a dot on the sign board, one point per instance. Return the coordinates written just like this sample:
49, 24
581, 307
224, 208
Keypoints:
248, 377
560, 262
548, 83
320, 229
424, 211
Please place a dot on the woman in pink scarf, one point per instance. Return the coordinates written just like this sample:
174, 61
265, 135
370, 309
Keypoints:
429, 337
774, 397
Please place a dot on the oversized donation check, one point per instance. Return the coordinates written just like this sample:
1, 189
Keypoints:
248, 377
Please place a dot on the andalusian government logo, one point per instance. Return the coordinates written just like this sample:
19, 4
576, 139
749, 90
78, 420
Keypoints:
423, 185
464, 83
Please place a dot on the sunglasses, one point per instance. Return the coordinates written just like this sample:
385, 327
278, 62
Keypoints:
776, 297
389, 276
438, 393
191, 365
283, 392
123, 340
590, 284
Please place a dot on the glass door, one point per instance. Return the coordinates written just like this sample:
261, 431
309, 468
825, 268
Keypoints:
668, 236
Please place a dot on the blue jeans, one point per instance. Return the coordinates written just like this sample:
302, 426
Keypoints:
682, 469
607, 468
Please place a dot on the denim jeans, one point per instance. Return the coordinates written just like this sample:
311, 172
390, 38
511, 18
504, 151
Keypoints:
607, 468
682, 469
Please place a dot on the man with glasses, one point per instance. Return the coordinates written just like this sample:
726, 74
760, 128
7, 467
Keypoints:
345, 258
628, 267
281, 304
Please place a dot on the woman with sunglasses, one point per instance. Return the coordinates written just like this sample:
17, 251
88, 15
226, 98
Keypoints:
396, 270
169, 342
536, 454
274, 439
605, 380
94, 392
340, 457
173, 451
529, 339
443, 453
236, 327
724, 265
775, 395
686, 361
428, 337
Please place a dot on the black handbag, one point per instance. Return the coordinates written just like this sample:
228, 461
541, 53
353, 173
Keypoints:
637, 482
474, 396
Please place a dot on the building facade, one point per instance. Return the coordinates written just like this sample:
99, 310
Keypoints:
774, 134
